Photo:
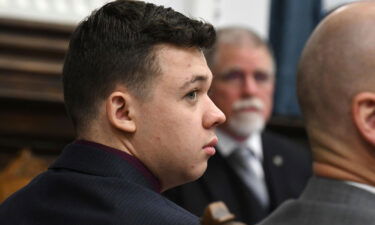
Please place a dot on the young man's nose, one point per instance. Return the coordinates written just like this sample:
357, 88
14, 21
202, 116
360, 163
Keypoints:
213, 116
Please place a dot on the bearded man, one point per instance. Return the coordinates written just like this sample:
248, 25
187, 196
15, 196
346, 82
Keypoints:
254, 170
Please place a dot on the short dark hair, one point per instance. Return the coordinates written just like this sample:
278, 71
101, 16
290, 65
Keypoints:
115, 44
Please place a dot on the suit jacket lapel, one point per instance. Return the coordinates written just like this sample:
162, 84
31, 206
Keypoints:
272, 164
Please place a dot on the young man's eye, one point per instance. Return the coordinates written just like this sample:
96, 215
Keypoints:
192, 95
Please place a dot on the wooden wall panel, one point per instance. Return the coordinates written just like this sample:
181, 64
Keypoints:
31, 59
32, 113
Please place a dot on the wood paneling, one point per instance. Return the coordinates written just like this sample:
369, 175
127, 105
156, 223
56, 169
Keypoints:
31, 59
32, 113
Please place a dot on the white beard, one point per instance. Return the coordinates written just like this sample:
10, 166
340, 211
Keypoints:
245, 123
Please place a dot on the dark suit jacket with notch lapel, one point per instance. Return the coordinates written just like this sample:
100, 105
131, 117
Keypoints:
88, 186
326, 202
285, 179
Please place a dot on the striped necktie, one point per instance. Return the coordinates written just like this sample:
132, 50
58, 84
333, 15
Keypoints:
249, 167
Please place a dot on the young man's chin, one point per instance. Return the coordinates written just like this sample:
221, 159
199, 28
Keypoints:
192, 175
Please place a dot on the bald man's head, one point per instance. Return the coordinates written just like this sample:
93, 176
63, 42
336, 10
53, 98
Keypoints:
337, 63
336, 91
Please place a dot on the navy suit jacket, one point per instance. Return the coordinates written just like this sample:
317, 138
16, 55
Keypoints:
326, 202
287, 169
89, 186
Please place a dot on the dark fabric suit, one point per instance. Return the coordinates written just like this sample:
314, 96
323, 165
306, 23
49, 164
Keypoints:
88, 186
326, 202
221, 183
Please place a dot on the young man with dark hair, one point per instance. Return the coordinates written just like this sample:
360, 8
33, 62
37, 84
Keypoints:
135, 85
255, 169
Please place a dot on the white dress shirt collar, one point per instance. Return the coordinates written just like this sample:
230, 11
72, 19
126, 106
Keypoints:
365, 187
227, 144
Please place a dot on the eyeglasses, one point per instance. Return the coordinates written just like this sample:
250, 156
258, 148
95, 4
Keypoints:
237, 77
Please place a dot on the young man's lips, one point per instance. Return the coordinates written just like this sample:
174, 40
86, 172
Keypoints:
210, 147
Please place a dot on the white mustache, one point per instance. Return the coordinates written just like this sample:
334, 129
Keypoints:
248, 103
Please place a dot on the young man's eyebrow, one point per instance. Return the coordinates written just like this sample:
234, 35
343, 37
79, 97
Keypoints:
194, 79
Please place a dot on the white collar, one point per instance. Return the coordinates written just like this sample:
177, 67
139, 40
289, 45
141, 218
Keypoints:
365, 187
227, 144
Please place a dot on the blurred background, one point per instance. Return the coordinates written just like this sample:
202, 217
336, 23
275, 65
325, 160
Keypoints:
34, 36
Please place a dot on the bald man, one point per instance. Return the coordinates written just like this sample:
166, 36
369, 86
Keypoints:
336, 90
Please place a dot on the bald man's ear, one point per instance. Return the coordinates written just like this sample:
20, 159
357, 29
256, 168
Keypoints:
120, 111
363, 111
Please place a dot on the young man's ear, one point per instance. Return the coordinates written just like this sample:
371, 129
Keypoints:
363, 112
120, 111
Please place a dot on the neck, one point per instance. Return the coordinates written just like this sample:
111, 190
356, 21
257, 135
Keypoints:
110, 139
334, 172
341, 160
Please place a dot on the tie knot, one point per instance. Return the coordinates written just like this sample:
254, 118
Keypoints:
241, 155
245, 151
